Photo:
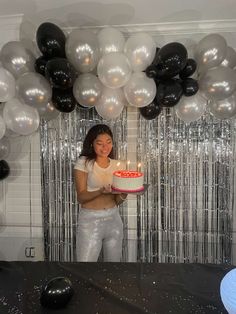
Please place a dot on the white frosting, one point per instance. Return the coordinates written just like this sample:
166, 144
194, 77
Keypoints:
122, 182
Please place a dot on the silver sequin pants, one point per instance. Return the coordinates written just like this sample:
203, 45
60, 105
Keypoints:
99, 229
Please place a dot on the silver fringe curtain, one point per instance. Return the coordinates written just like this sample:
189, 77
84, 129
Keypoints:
61, 144
186, 215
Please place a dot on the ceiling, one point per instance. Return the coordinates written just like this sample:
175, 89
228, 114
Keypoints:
93, 13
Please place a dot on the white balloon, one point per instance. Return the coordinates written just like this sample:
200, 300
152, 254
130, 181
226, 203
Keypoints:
140, 49
230, 59
82, 50
33, 89
223, 109
140, 90
114, 70
4, 148
228, 291
20, 118
87, 89
7, 85
218, 83
111, 103
2, 127
48, 111
191, 108
16, 59
110, 40
210, 51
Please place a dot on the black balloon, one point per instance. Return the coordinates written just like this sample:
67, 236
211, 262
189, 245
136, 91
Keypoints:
60, 73
171, 60
189, 69
51, 40
169, 93
4, 169
151, 111
63, 100
56, 293
151, 71
190, 87
154, 62
40, 65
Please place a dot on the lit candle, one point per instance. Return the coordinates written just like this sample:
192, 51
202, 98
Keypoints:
139, 167
118, 165
127, 166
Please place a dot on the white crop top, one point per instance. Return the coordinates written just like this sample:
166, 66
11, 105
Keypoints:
98, 176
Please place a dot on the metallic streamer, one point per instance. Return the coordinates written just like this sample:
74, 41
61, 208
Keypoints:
186, 215
61, 144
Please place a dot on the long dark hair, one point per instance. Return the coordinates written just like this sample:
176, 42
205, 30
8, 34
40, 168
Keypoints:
88, 150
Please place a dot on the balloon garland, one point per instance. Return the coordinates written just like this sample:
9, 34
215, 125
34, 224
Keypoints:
106, 72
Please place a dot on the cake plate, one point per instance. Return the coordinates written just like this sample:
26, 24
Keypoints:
145, 186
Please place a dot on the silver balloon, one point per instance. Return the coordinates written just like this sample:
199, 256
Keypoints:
82, 50
223, 109
48, 112
16, 59
87, 89
4, 148
20, 118
110, 40
114, 70
140, 49
33, 89
210, 51
140, 90
111, 103
7, 85
2, 127
230, 59
191, 108
218, 83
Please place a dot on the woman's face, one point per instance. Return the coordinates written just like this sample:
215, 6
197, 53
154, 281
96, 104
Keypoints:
102, 145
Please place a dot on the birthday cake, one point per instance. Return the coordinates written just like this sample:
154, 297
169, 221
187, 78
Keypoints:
127, 181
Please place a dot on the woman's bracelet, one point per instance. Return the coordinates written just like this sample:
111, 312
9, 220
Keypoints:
123, 199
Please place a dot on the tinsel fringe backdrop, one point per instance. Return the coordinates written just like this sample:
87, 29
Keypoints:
186, 214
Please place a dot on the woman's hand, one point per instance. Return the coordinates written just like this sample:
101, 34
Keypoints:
106, 189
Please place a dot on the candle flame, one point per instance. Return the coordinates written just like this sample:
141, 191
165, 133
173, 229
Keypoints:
118, 164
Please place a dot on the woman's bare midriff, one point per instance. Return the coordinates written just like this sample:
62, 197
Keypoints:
103, 201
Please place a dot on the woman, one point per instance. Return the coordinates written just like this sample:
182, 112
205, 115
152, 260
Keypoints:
99, 222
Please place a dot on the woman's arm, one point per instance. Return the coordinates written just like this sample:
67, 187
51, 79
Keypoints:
83, 195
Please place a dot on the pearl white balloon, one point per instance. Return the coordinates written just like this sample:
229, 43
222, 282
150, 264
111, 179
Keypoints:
111, 103
2, 127
20, 118
33, 89
48, 112
228, 291
140, 49
114, 70
87, 89
7, 85
223, 109
218, 83
230, 59
211, 51
140, 90
82, 50
16, 59
110, 40
4, 148
191, 108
